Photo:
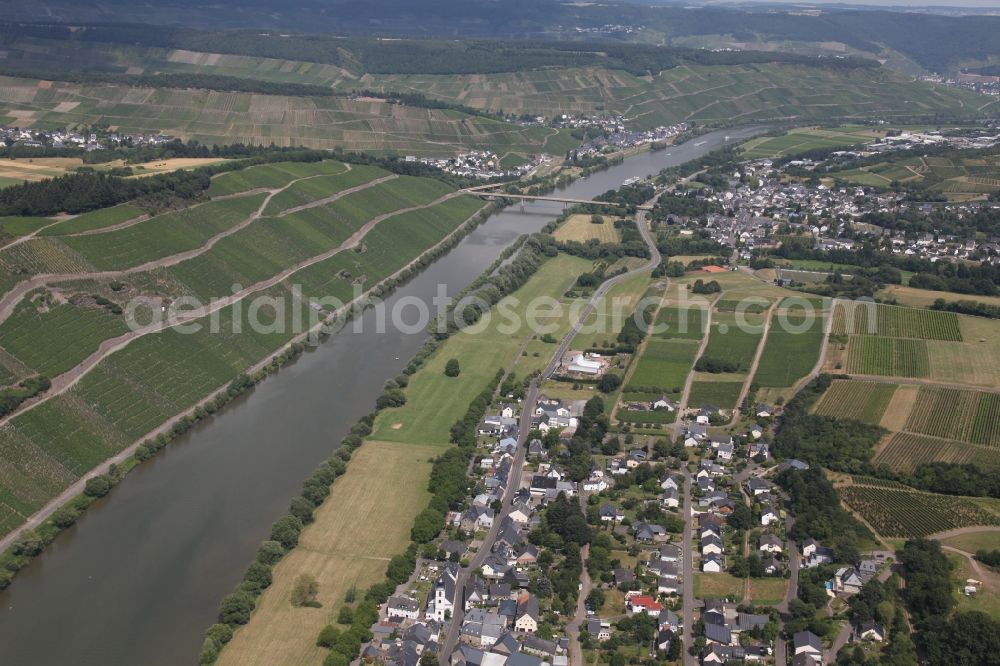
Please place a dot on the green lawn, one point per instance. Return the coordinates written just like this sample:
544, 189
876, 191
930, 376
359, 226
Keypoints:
430, 408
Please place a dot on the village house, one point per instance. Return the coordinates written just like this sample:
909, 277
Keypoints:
847, 580
815, 554
528, 614
402, 608
712, 564
609, 513
599, 630
870, 630
770, 543
639, 603
809, 645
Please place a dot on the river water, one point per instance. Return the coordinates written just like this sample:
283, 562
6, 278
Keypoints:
138, 578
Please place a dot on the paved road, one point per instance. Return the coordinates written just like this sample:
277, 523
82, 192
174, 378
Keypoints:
452, 632
688, 602
576, 626
654, 261
513, 483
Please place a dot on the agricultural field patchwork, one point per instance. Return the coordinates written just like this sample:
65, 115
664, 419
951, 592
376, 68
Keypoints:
161, 236
899, 512
689, 92
959, 175
735, 344
98, 219
136, 389
861, 401
431, 409
270, 176
213, 117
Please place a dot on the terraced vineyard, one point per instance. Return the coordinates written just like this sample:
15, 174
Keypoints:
136, 389
861, 401
905, 451
39, 255
891, 357
163, 235
54, 339
855, 318
269, 176
968, 416
213, 117
98, 219
907, 514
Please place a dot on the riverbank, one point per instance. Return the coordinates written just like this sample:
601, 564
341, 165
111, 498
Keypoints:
180, 521
42, 530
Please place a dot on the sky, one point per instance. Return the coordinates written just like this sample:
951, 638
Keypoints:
979, 4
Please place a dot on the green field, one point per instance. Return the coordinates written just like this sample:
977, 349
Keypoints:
856, 318
804, 139
270, 244
968, 416
791, 351
658, 417
98, 219
664, 365
431, 406
15, 227
163, 235
683, 323
891, 357
861, 401
155, 238
720, 394
733, 343
385, 487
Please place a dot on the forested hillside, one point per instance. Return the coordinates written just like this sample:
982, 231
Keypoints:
934, 42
